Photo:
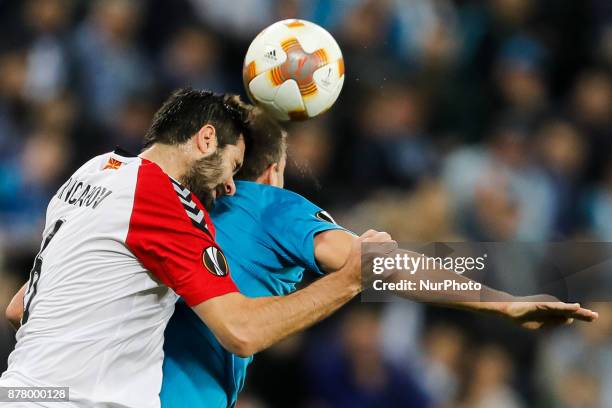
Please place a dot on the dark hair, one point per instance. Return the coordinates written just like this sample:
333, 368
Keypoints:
268, 145
185, 112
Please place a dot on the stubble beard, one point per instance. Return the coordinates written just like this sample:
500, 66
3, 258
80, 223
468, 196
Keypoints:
203, 177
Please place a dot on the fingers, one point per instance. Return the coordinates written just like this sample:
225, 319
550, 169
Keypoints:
372, 245
374, 236
567, 311
585, 315
381, 243
559, 306
572, 310
550, 305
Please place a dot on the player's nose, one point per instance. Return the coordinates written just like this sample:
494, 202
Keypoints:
229, 187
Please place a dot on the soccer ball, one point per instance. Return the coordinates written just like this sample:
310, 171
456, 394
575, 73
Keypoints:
294, 70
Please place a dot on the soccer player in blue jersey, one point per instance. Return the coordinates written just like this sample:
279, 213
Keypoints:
271, 236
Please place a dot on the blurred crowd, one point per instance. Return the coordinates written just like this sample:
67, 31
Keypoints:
459, 120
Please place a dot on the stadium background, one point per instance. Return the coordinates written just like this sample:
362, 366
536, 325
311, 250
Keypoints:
459, 119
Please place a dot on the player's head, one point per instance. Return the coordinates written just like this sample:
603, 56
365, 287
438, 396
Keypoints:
266, 157
205, 133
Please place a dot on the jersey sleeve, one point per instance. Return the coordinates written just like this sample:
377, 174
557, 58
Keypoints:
291, 224
168, 233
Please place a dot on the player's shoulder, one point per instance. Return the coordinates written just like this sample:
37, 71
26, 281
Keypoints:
280, 204
159, 199
107, 168
260, 200
271, 196
95, 180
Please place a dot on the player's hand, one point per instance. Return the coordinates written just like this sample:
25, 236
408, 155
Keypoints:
544, 311
364, 249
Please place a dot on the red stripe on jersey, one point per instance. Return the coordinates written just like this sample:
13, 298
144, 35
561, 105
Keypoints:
163, 238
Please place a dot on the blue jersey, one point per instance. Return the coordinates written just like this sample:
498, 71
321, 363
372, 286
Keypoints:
267, 235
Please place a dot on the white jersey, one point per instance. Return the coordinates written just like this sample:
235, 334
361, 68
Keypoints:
122, 241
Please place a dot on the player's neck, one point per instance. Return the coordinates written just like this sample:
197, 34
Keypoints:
169, 158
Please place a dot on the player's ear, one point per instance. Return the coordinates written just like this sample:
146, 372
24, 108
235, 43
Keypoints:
206, 139
274, 175
269, 175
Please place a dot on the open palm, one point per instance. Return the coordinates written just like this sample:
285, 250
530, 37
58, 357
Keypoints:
542, 311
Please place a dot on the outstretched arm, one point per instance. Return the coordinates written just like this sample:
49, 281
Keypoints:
245, 325
531, 312
14, 311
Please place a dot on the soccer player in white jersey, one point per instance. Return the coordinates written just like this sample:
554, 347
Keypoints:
125, 236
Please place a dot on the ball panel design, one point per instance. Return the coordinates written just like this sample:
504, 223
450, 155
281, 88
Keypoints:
274, 110
295, 69
313, 37
261, 87
249, 72
336, 92
317, 103
289, 97
270, 38
327, 77
294, 23
301, 65
276, 77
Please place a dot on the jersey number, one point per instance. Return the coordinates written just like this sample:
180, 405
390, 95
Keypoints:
35, 272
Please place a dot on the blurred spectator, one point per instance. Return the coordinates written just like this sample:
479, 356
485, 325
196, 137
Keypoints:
577, 364
191, 59
592, 111
239, 18
512, 13
283, 363
58, 114
364, 32
7, 334
112, 66
426, 31
562, 151
310, 149
498, 192
350, 370
521, 80
444, 347
393, 149
599, 207
605, 46
131, 123
425, 215
27, 183
488, 382
12, 110
402, 325
48, 60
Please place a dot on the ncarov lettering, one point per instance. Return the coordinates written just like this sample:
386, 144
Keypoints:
79, 193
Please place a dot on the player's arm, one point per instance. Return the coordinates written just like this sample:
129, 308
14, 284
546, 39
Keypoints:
532, 312
168, 233
14, 311
245, 325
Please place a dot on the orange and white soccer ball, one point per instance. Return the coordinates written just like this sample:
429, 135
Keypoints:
294, 70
